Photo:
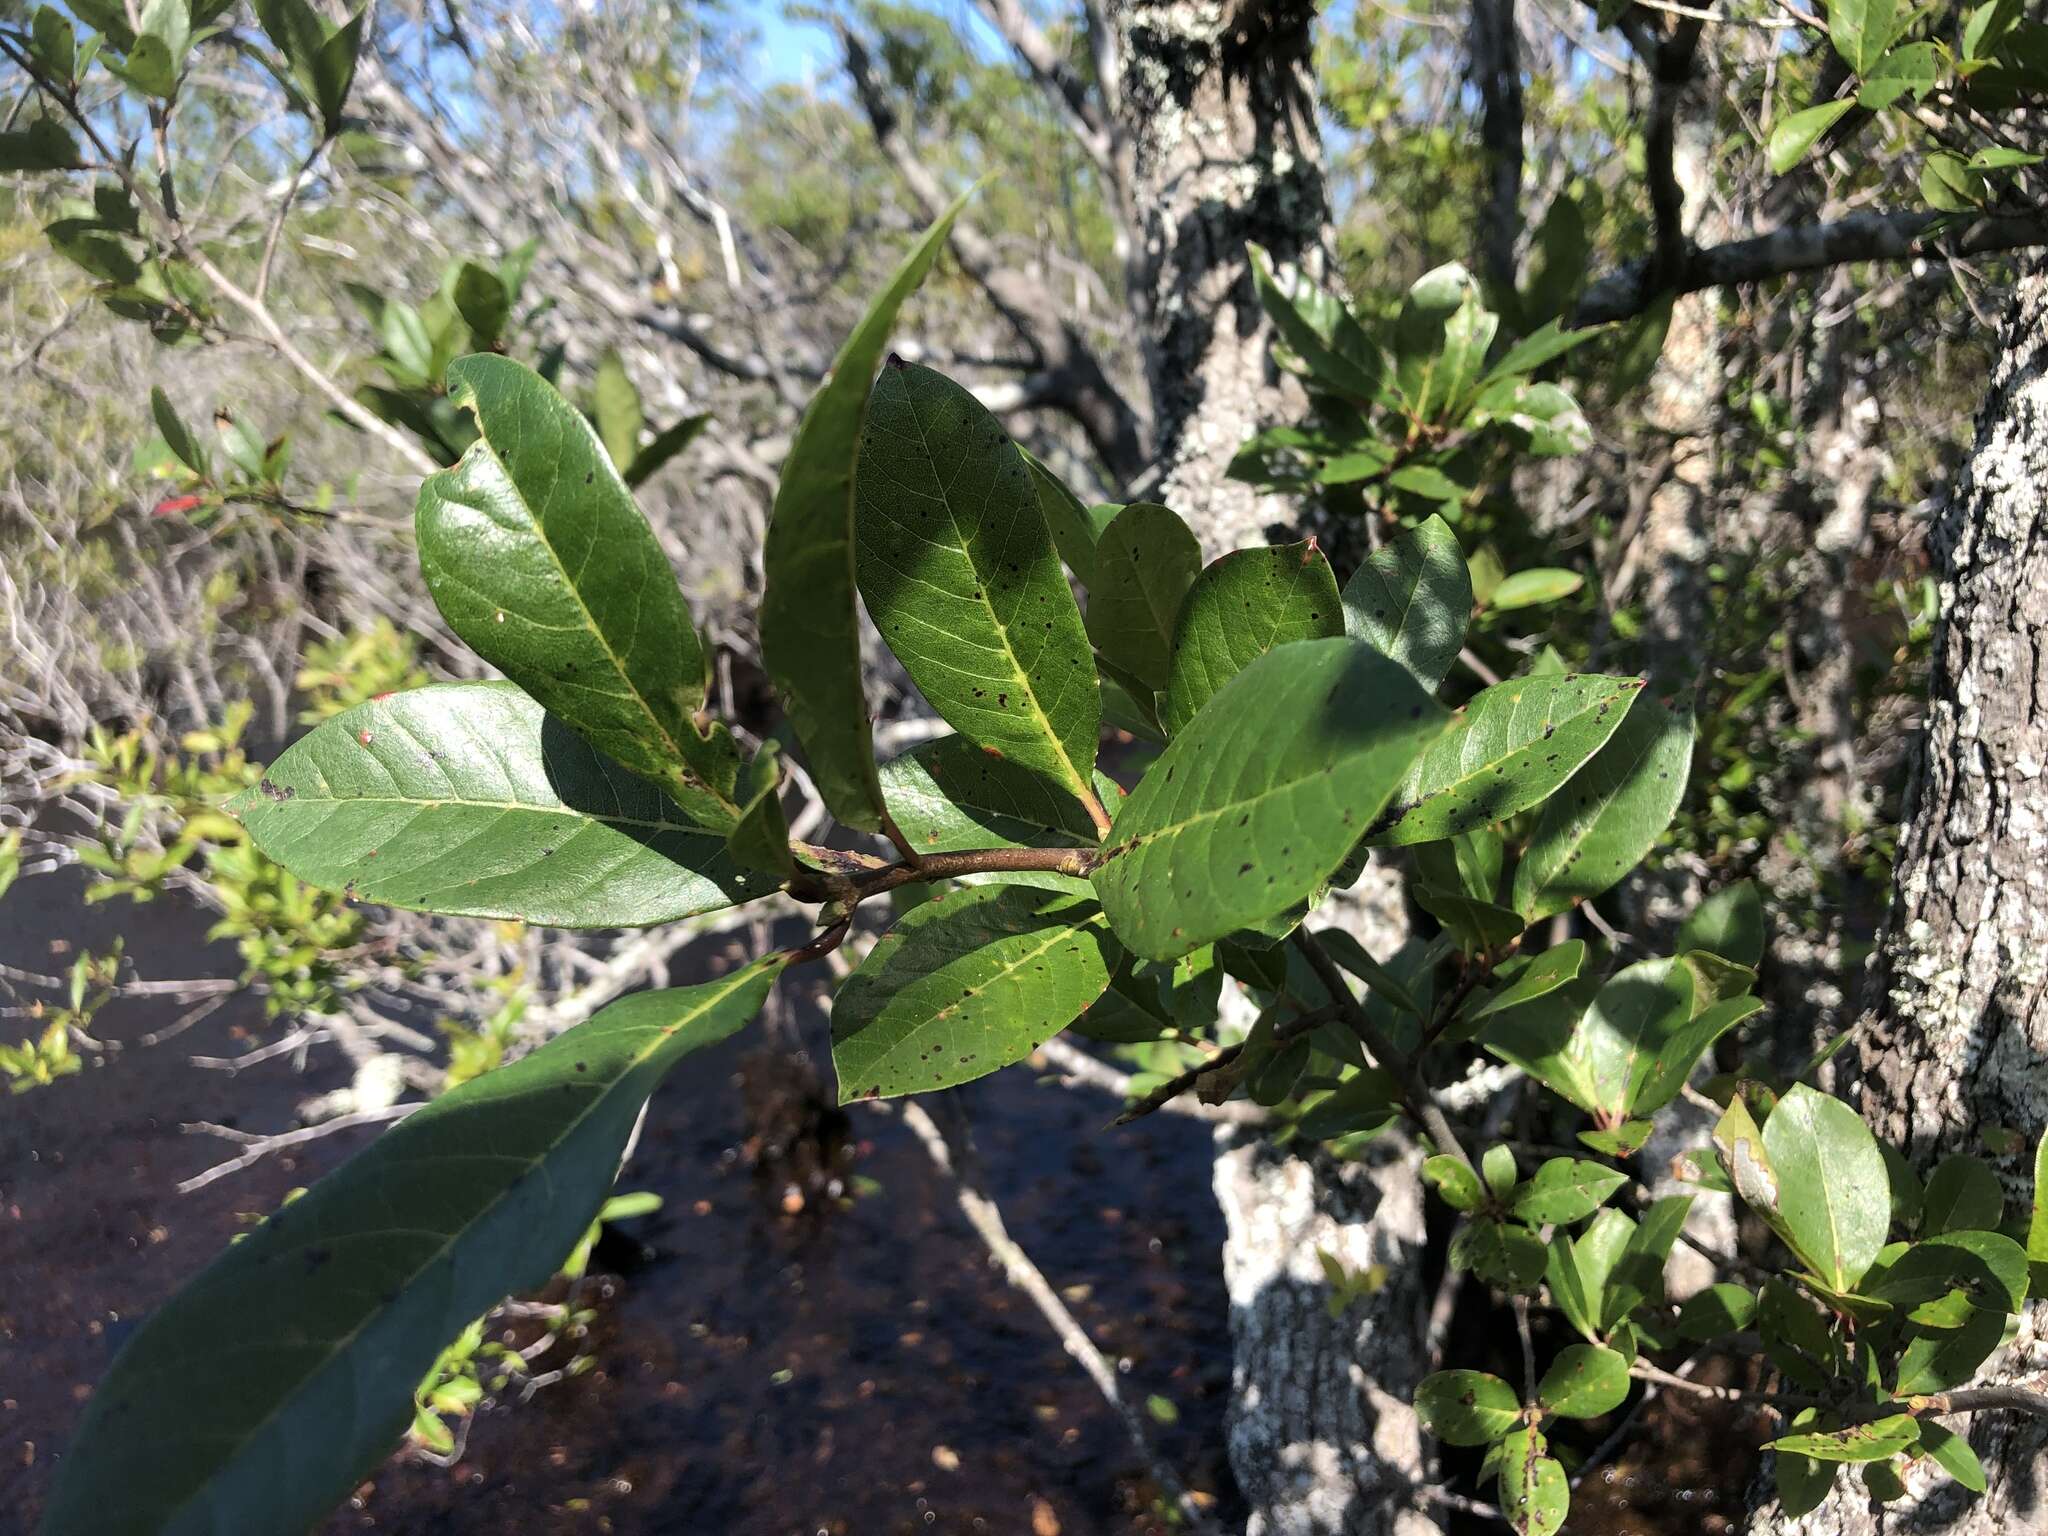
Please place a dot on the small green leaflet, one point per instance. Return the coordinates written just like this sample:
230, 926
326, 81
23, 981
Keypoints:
615, 406
468, 799
1259, 799
1327, 340
1816, 1177
1145, 562
759, 840
967, 983
1729, 923
1566, 1189
1534, 1493
1583, 1382
1862, 30
1239, 608
1412, 598
1875, 1441
537, 557
1796, 133
809, 620
338, 1304
1511, 747
959, 573
1072, 530
1545, 974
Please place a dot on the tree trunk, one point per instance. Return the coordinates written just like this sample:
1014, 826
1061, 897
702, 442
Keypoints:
1217, 112
1956, 1036
1218, 108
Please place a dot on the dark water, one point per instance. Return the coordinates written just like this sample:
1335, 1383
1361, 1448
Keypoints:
847, 1368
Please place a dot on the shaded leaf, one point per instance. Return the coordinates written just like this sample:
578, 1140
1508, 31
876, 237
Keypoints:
616, 409
44, 145
176, 434
1066, 519
1961, 1195
1239, 608
1454, 1180
1308, 321
809, 619
1715, 1312
947, 795
1145, 562
759, 839
1545, 974
967, 983
1411, 599
340, 1302
1526, 589
664, 446
1583, 1382
1503, 1253
1729, 923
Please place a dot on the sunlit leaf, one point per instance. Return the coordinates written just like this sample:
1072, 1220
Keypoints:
1241, 607
1411, 599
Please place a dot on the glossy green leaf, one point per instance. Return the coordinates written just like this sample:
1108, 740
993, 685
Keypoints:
1466, 1407
56, 46
1566, 1189
1624, 1140
261, 1393
1497, 1166
1454, 1180
1145, 562
759, 839
959, 573
148, 67
809, 618
1962, 1194
537, 557
967, 983
1583, 1382
1363, 1105
1534, 1493
1510, 748
1796, 133
1677, 1054
1816, 1176
1239, 608
1612, 813
1872, 1441
1862, 30
947, 795
1716, 1312
1729, 923
1989, 1268
466, 798
1307, 322
1543, 975
1912, 69
1952, 1453
1633, 1017
176, 434
1412, 598
1258, 801
2037, 1219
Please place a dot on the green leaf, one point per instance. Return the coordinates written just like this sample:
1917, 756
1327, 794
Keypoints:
1947, 184
338, 1304
1796, 132
332, 71
1566, 1189
1716, 1312
947, 795
1503, 1253
1624, 1140
959, 573
1862, 30
969, 982
1510, 748
759, 839
176, 434
1583, 1382
1441, 337
2037, 1220
1952, 1453
1537, 978
1412, 598
170, 23
148, 67
1873, 1441
1534, 1493
1546, 343
1466, 1407
1454, 1180
615, 405
56, 48
1729, 923
1353, 371
1989, 1267
1913, 68
483, 301
809, 620
1526, 589
1145, 562
1479, 925
537, 557
1239, 608
1677, 1055
1258, 801
466, 798
1542, 1037
1497, 1164
44, 145
294, 29
1816, 1177
1066, 519
1935, 1362
665, 445
1962, 1195
1803, 1483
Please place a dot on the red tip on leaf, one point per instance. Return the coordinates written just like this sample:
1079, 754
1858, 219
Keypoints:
177, 504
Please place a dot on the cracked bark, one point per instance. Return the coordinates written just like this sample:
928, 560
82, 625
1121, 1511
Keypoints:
1219, 109
1955, 1036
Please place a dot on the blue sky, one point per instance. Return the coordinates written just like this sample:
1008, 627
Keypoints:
799, 50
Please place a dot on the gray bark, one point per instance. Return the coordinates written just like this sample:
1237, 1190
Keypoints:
1219, 110
1956, 1036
